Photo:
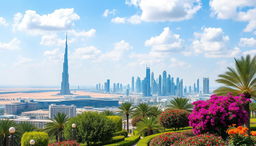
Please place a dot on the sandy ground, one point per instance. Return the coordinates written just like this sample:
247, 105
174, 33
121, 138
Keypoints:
14, 97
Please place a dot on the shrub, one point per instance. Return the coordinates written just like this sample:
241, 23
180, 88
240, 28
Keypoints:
174, 118
121, 133
65, 143
41, 138
201, 140
117, 120
127, 142
167, 139
92, 127
238, 136
135, 120
214, 115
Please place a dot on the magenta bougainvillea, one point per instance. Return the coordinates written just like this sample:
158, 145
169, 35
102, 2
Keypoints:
217, 113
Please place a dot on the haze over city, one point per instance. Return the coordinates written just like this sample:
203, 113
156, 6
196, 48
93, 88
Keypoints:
118, 39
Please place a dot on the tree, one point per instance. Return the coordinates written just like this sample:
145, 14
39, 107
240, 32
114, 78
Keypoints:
92, 128
56, 127
126, 109
180, 103
108, 113
25, 127
155, 111
4, 130
148, 126
142, 110
240, 80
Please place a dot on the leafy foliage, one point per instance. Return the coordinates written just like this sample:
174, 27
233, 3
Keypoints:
56, 127
167, 139
135, 120
41, 138
148, 126
142, 110
203, 139
174, 118
180, 103
121, 133
108, 113
92, 127
126, 109
4, 130
117, 120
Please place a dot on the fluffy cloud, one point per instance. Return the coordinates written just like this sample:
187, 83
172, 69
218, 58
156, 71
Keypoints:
165, 42
89, 52
22, 60
52, 40
135, 19
166, 10
212, 42
3, 22
54, 55
11, 45
108, 12
31, 21
120, 48
85, 34
250, 52
240, 10
247, 42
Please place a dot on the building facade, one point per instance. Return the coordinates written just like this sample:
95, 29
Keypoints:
69, 110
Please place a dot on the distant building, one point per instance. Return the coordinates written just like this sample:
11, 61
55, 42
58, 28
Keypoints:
17, 108
146, 83
39, 123
132, 84
70, 111
37, 114
107, 86
206, 86
138, 85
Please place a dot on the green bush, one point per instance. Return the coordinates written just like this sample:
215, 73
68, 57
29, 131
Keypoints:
135, 120
202, 139
92, 128
167, 139
41, 138
127, 142
117, 120
174, 118
123, 133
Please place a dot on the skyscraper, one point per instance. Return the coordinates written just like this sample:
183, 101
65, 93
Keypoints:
146, 83
160, 85
132, 84
206, 86
197, 88
164, 84
107, 86
65, 81
138, 85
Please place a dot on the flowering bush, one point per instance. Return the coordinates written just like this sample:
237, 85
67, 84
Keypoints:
239, 136
203, 140
214, 115
167, 139
65, 143
174, 118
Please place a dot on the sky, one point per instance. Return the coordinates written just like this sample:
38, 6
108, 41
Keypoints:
117, 39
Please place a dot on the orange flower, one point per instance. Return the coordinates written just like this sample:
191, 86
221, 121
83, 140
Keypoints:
253, 133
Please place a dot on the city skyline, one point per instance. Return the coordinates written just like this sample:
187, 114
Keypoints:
117, 40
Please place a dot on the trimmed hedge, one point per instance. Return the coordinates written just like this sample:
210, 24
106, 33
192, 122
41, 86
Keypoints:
127, 142
117, 120
41, 138
123, 133
146, 140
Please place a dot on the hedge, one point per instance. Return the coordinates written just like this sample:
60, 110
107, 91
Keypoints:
41, 138
127, 142
117, 120
146, 140
123, 133
114, 139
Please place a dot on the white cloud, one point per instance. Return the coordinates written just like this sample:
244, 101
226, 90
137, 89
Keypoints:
166, 10
34, 23
3, 22
178, 63
22, 60
165, 42
135, 19
11, 45
240, 10
85, 34
247, 42
89, 52
212, 42
54, 55
108, 12
52, 40
119, 50
250, 52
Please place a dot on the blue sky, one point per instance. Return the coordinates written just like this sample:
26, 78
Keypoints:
117, 39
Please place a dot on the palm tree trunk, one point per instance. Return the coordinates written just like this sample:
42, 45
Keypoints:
247, 108
127, 122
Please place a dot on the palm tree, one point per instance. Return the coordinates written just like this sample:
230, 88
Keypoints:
4, 131
148, 125
126, 109
142, 110
25, 127
240, 80
56, 127
155, 111
108, 113
180, 103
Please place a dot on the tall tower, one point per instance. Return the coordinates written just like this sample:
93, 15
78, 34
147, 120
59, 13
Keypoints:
65, 82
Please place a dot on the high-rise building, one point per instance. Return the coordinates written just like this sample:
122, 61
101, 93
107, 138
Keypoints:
65, 81
107, 86
54, 109
197, 88
138, 85
164, 84
152, 83
132, 84
206, 86
146, 83
160, 85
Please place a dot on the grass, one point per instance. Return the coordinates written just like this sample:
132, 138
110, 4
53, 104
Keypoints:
127, 142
